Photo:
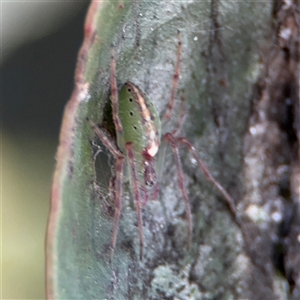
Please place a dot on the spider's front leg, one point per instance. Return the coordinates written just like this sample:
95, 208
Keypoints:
118, 182
136, 191
175, 142
172, 140
209, 177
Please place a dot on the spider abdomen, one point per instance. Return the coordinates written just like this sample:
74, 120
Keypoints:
140, 122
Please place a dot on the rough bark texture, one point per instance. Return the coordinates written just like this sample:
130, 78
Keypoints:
271, 151
240, 79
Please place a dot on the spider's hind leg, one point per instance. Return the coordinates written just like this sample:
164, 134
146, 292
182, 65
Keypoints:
114, 92
182, 117
171, 102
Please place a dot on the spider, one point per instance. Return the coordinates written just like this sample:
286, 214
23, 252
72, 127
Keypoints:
138, 137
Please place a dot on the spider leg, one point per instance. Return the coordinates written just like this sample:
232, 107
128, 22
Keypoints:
118, 183
114, 92
137, 194
210, 178
111, 187
118, 204
170, 105
171, 139
181, 118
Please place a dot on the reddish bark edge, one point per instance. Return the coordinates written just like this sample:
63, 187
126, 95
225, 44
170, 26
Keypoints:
64, 155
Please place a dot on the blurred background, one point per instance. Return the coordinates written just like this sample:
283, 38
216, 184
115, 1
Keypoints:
39, 46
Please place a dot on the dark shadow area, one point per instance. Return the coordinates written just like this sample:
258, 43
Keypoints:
37, 81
